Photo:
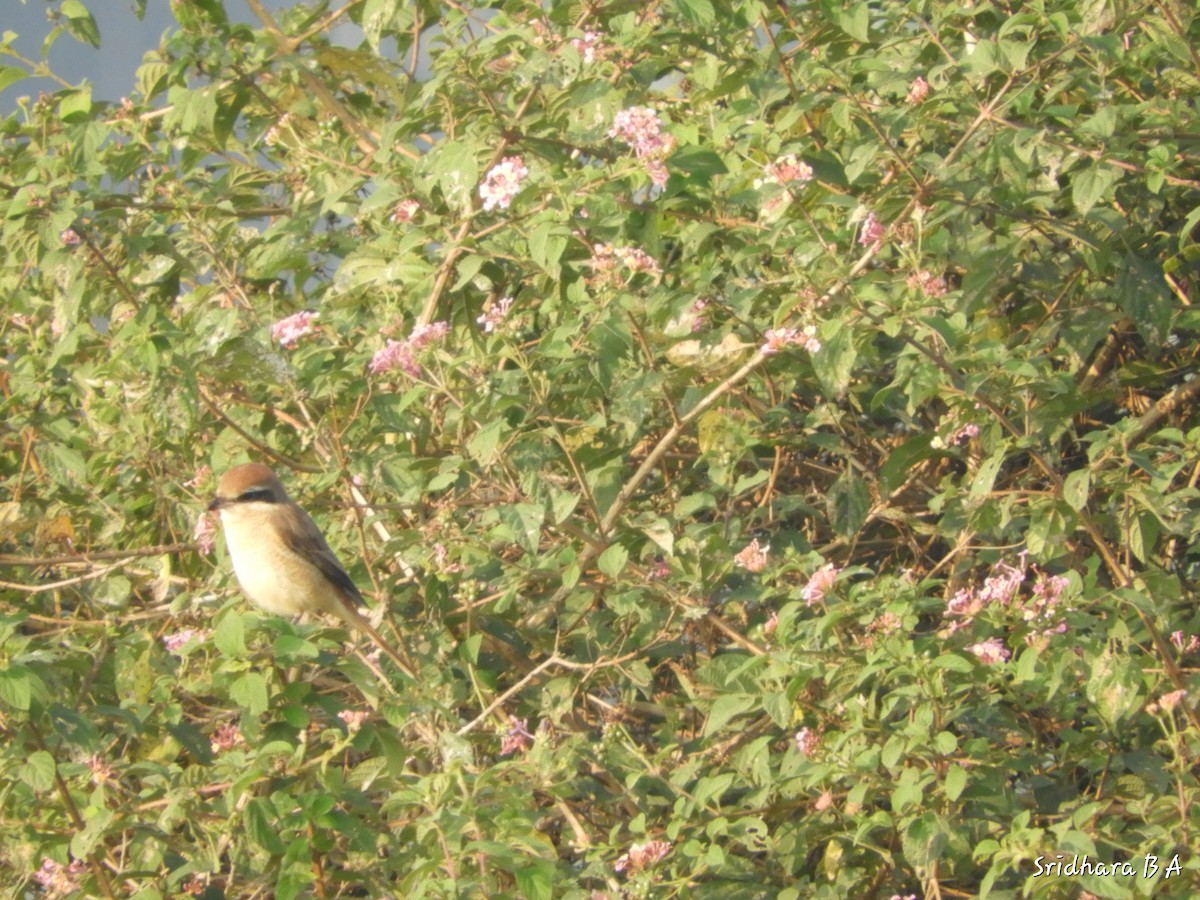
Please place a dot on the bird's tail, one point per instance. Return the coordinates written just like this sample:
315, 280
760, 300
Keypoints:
351, 614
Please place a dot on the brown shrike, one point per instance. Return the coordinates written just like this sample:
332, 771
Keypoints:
280, 557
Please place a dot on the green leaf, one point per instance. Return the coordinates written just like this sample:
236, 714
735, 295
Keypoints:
524, 521
612, 561
1113, 687
726, 708
536, 880
230, 635
1090, 185
696, 12
291, 646
985, 476
18, 684
96, 823
79, 22
849, 504
37, 770
250, 690
10, 75
955, 782
697, 160
1075, 488
261, 826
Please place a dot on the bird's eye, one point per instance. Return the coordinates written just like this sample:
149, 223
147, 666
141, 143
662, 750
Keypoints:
256, 495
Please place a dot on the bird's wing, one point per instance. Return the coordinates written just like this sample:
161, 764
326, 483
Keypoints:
301, 534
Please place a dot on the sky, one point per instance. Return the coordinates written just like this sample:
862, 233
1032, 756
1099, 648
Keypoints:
124, 40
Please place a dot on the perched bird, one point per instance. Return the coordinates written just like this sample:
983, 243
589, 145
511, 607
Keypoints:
280, 557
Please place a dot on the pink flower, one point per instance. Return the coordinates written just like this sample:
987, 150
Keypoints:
203, 473
1168, 702
502, 182
753, 558
1185, 646
288, 331
441, 561
771, 624
778, 338
929, 284
394, 355
518, 737
785, 170
642, 855
590, 46
888, 623
493, 317
226, 737
637, 260
424, 335
991, 651
354, 718
639, 127
70, 237
405, 211
606, 258
102, 770
657, 170
59, 880
918, 90
177, 640
205, 534
807, 741
872, 232
820, 582
402, 354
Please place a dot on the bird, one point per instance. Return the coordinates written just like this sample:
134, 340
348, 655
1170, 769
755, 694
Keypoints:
282, 561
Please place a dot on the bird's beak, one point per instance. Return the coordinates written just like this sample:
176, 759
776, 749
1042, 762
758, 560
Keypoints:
216, 504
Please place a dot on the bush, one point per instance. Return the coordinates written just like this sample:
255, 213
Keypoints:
771, 428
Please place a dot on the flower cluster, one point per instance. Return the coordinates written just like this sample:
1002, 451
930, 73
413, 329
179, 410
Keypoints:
502, 182
495, 314
929, 284
205, 534
1167, 702
606, 258
354, 718
918, 90
785, 171
641, 856
807, 741
639, 127
991, 652
1188, 644
101, 769
778, 338
403, 354
58, 880
441, 561
405, 211
1003, 589
518, 739
820, 582
958, 436
289, 331
177, 640
872, 231
591, 46
753, 558
226, 737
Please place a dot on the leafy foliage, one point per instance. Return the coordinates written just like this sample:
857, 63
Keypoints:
797, 500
